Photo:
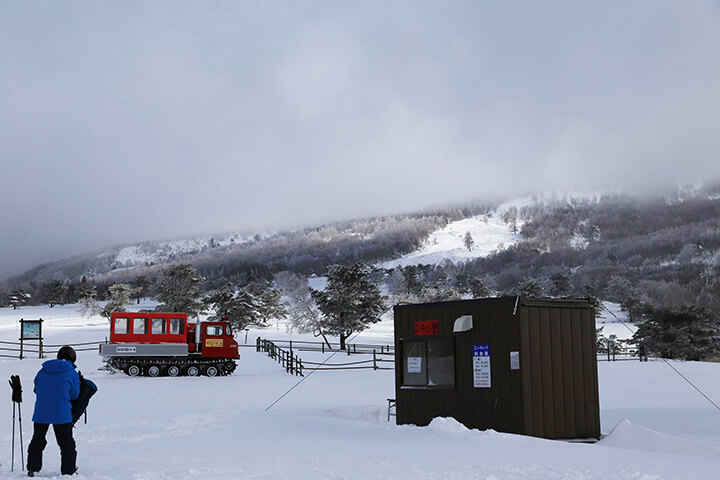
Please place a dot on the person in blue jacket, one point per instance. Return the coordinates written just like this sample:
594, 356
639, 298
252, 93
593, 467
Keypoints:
55, 385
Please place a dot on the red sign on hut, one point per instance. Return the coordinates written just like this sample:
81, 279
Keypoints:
430, 327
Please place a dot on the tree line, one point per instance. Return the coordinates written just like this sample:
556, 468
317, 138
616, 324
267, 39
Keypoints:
659, 258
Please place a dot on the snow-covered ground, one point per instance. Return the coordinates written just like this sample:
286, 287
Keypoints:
614, 321
333, 424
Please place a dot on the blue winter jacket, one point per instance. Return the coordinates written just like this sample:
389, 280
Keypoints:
55, 385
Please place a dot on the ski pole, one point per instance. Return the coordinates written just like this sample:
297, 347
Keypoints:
16, 387
22, 449
12, 461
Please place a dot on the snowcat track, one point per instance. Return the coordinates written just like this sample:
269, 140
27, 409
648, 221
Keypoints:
224, 366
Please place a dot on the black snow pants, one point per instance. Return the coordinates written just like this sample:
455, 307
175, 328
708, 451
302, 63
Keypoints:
65, 440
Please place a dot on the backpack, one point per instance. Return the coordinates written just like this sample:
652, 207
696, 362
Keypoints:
80, 404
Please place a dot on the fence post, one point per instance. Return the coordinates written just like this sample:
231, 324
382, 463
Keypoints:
323, 347
21, 348
257, 344
374, 360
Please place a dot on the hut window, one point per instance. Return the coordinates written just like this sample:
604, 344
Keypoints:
429, 363
441, 362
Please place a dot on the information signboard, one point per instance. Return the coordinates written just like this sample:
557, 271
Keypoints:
31, 329
481, 366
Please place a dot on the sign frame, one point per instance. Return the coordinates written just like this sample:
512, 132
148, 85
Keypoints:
31, 330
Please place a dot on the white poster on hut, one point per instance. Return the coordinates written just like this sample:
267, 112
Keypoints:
481, 366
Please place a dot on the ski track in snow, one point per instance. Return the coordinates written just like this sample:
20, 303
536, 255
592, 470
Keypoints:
334, 425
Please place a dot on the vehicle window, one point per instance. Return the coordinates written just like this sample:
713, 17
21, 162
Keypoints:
121, 325
214, 330
228, 331
140, 326
176, 326
158, 326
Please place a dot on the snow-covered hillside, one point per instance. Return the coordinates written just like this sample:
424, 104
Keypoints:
333, 425
489, 234
149, 253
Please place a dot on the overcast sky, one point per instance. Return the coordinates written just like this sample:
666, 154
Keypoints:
135, 120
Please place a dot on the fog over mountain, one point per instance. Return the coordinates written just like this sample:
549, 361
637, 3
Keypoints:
128, 121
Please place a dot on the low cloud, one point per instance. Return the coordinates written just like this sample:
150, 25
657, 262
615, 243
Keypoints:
133, 121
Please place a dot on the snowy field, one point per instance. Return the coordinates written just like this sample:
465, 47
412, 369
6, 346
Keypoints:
333, 425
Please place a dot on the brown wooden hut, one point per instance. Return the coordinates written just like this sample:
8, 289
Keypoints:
512, 364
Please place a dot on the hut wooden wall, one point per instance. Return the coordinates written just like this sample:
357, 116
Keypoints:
554, 394
499, 407
559, 364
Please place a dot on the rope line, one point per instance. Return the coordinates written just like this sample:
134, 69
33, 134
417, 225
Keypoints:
307, 376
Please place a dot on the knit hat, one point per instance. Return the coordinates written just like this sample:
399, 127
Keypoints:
67, 353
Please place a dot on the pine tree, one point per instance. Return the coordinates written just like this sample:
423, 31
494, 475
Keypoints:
120, 294
350, 302
510, 218
178, 290
141, 285
267, 302
561, 285
87, 301
473, 285
253, 304
622, 291
530, 287
18, 298
686, 332
54, 292
468, 241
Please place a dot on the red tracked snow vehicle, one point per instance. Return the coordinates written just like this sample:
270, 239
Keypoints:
154, 344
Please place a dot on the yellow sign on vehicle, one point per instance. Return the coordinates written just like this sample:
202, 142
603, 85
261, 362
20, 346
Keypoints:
214, 342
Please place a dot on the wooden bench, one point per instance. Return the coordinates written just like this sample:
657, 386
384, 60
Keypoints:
391, 406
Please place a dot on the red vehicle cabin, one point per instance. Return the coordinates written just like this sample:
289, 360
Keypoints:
127, 327
165, 343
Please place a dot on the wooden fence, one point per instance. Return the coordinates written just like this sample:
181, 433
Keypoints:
351, 348
286, 358
43, 350
375, 364
293, 364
